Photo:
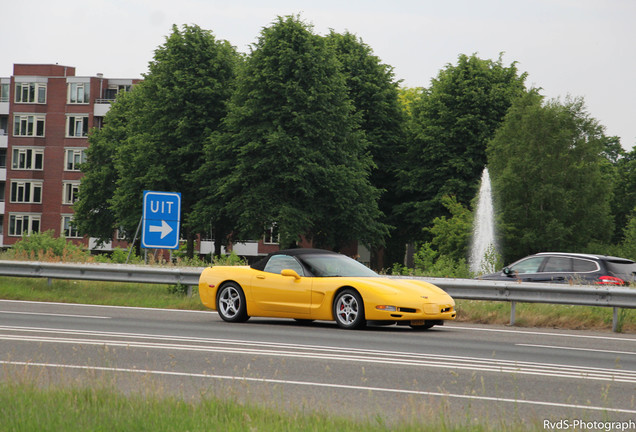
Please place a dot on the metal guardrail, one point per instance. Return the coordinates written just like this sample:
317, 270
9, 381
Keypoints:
469, 289
103, 272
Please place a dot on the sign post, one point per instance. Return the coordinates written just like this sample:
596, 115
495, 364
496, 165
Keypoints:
161, 220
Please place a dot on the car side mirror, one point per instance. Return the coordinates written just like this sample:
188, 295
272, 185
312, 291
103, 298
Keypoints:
290, 273
507, 271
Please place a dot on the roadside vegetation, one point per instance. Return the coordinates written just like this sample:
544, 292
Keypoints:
26, 405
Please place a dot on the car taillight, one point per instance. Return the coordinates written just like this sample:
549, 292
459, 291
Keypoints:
610, 280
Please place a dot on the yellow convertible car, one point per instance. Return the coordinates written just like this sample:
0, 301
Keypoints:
314, 284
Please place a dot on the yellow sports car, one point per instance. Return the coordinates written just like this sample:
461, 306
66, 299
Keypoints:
314, 284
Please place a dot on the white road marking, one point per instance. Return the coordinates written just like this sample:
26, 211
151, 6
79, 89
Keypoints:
318, 384
543, 333
83, 305
55, 314
282, 350
578, 349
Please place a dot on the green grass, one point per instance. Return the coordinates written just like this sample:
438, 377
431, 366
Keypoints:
25, 406
98, 293
544, 315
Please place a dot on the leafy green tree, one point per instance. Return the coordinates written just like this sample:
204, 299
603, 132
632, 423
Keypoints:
623, 172
450, 125
94, 216
158, 138
375, 96
547, 164
451, 235
293, 152
628, 245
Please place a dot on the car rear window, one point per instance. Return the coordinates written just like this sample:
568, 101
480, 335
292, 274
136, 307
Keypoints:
625, 270
558, 265
582, 266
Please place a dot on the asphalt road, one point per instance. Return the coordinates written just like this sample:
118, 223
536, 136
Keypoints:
494, 373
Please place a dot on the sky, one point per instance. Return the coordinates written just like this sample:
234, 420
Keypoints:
575, 48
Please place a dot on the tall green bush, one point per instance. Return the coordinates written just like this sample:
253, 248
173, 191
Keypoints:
46, 247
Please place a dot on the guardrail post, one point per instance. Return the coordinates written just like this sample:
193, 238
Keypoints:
513, 310
615, 320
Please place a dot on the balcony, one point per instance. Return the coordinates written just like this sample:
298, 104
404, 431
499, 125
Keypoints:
4, 139
101, 107
4, 107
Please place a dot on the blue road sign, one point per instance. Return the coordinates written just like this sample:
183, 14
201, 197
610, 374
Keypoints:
161, 219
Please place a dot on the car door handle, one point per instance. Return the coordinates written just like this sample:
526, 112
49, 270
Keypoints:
260, 277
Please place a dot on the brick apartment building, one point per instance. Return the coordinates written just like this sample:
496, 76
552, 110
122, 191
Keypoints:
46, 113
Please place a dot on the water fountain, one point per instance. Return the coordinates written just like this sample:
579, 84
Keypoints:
483, 243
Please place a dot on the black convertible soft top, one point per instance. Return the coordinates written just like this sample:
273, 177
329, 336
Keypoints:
260, 264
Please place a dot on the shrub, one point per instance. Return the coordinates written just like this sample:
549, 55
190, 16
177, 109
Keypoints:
229, 260
46, 247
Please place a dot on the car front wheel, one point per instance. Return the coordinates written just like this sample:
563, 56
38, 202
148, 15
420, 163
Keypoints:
230, 303
348, 309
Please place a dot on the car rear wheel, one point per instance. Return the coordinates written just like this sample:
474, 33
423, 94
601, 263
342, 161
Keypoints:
348, 309
230, 303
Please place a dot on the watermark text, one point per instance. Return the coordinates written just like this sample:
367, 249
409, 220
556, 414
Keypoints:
587, 425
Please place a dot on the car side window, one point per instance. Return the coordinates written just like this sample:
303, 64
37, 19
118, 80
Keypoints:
278, 263
530, 265
582, 265
558, 265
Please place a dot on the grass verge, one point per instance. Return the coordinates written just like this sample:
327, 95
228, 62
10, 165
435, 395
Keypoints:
544, 315
25, 406
98, 293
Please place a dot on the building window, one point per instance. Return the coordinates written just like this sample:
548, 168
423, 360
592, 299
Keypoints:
71, 190
30, 93
74, 158
77, 126
28, 125
68, 229
4, 92
24, 191
113, 90
27, 158
23, 224
79, 93
272, 235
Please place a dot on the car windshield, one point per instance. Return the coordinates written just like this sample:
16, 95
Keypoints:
332, 265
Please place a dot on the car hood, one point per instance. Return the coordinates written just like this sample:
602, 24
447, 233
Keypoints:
396, 286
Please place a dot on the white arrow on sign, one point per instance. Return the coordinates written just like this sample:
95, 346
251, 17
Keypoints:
164, 229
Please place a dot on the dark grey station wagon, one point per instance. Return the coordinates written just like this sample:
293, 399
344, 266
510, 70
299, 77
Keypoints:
572, 268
